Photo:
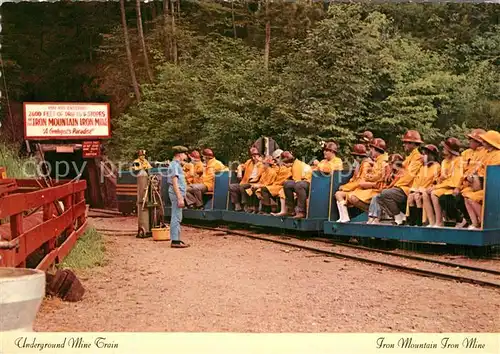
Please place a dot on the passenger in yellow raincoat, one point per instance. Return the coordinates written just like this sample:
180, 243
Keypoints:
363, 165
283, 173
427, 176
450, 177
299, 181
393, 172
248, 173
193, 170
454, 205
331, 162
391, 199
361, 196
195, 192
141, 163
267, 178
474, 198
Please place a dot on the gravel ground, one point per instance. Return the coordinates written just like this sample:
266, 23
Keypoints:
235, 284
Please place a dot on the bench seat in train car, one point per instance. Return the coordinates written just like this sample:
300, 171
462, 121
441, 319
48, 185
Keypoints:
319, 202
215, 202
489, 235
126, 189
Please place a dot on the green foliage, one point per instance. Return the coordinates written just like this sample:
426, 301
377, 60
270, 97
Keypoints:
16, 166
332, 72
89, 252
355, 67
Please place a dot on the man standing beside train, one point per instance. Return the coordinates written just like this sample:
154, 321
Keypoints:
177, 191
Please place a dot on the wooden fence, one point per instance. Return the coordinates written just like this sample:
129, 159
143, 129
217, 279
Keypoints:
49, 233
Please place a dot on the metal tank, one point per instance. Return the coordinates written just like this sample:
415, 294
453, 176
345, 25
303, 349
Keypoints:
21, 294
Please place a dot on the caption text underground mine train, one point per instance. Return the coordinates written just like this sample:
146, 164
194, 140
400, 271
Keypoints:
322, 209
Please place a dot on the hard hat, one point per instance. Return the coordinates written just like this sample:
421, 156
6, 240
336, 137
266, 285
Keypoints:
452, 145
475, 134
359, 150
378, 144
412, 136
492, 137
431, 148
277, 153
194, 155
367, 136
287, 156
330, 147
208, 153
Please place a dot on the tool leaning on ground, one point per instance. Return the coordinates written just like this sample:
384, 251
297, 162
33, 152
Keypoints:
150, 210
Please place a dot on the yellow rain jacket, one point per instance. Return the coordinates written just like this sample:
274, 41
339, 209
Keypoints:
360, 175
300, 172
143, 164
248, 168
375, 174
283, 173
267, 178
328, 166
491, 158
411, 165
193, 172
213, 166
450, 176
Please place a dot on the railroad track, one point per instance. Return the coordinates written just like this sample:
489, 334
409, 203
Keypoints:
366, 251
401, 267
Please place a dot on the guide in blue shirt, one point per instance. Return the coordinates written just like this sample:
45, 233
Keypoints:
176, 192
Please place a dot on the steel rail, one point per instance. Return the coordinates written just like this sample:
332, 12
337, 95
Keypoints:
395, 254
408, 256
422, 272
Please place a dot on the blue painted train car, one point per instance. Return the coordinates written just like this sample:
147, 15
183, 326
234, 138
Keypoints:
215, 202
318, 207
489, 235
126, 189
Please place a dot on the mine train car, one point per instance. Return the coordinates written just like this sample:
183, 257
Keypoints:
322, 214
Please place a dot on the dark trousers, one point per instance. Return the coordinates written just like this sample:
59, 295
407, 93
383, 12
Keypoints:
267, 198
454, 207
238, 194
300, 188
391, 200
194, 194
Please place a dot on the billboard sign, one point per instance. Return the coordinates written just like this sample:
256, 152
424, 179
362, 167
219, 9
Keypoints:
66, 120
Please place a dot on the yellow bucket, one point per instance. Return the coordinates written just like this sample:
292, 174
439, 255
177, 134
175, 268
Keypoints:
160, 234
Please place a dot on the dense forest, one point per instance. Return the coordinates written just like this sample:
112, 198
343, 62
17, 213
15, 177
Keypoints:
221, 74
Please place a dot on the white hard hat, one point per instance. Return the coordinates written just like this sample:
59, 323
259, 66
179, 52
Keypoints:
277, 153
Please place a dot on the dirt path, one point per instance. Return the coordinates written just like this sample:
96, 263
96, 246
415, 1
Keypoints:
234, 284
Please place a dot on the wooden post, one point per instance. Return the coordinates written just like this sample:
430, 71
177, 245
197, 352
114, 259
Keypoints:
16, 229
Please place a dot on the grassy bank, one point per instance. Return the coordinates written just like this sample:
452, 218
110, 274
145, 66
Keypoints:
88, 252
16, 167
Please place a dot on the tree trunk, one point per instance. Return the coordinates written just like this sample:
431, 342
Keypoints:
153, 11
165, 29
232, 15
268, 37
129, 52
179, 9
142, 40
174, 40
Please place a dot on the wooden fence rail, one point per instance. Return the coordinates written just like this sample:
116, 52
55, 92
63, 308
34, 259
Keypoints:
52, 232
